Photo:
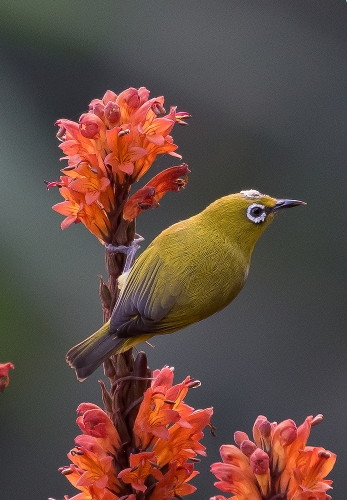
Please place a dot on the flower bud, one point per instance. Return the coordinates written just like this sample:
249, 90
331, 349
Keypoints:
248, 447
105, 294
89, 126
97, 109
240, 436
259, 461
112, 112
262, 432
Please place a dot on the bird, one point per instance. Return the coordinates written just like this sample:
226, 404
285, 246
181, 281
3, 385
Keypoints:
192, 270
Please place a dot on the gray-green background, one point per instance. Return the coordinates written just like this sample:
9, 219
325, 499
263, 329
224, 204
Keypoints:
265, 82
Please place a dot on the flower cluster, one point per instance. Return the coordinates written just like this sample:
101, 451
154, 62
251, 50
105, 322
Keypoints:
276, 464
166, 440
4, 378
112, 146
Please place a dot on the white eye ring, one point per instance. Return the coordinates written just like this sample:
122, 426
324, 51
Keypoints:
256, 213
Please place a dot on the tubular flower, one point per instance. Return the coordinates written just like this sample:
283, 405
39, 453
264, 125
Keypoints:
276, 464
156, 463
149, 196
4, 378
112, 146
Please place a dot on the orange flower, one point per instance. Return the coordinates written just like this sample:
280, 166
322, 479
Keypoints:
94, 422
153, 459
162, 406
112, 146
89, 181
123, 144
184, 442
4, 378
174, 483
278, 464
92, 469
154, 417
141, 467
76, 210
149, 196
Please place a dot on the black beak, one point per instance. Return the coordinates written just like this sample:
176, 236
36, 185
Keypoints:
286, 204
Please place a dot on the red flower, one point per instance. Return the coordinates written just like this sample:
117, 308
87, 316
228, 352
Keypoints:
111, 147
149, 196
278, 464
167, 433
142, 465
4, 378
174, 483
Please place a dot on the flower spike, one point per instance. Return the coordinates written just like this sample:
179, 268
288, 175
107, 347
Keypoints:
112, 146
164, 436
278, 464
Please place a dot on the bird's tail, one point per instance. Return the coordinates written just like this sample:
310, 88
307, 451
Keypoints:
88, 355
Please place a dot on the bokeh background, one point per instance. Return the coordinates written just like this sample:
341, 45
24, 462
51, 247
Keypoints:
266, 85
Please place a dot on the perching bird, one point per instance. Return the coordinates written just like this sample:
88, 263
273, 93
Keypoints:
190, 271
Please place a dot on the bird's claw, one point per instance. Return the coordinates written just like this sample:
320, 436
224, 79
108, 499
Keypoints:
130, 251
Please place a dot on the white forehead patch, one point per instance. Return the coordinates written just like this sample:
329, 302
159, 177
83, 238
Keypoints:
251, 194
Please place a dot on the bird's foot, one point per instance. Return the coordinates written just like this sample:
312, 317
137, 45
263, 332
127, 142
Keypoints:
130, 251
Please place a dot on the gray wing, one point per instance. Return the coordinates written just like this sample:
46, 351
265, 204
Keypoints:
149, 293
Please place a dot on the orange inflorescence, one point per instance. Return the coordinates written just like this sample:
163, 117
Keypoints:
167, 434
4, 377
276, 464
112, 146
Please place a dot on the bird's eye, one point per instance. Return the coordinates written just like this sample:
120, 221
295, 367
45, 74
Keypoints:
256, 213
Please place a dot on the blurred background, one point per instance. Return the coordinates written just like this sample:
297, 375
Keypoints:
265, 83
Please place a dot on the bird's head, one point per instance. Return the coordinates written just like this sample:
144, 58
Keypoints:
245, 215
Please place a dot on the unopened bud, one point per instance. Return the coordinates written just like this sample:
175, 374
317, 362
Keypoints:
109, 369
112, 112
265, 428
262, 432
105, 294
259, 462
106, 397
89, 127
248, 447
240, 436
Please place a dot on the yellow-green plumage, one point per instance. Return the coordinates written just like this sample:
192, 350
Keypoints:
190, 271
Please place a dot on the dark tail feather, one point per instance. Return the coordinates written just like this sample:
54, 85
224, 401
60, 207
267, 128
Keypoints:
88, 355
